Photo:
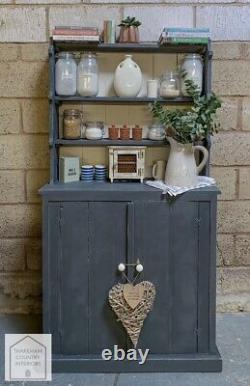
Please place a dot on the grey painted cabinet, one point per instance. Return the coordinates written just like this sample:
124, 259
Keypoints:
85, 240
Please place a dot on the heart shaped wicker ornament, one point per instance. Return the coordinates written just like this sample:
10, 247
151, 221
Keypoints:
131, 318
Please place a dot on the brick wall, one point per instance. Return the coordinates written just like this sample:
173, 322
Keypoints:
24, 32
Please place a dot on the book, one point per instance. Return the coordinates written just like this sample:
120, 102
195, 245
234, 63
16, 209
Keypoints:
65, 32
75, 28
179, 40
186, 34
190, 30
82, 38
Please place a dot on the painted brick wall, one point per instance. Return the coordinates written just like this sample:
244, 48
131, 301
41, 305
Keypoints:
24, 33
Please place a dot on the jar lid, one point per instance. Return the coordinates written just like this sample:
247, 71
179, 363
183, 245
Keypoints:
65, 55
88, 54
192, 56
72, 112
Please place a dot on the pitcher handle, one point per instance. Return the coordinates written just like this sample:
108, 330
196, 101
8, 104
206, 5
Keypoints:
205, 157
154, 170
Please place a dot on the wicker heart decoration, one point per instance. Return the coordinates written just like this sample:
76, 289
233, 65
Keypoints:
132, 306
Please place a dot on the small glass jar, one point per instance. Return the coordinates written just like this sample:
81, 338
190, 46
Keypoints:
170, 85
193, 67
88, 75
65, 74
94, 130
157, 132
72, 124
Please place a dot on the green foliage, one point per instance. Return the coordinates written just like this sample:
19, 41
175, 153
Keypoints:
195, 124
129, 22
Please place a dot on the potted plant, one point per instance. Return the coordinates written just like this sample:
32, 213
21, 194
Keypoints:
184, 128
129, 32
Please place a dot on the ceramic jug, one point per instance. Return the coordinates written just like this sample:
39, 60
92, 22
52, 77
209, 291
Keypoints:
128, 78
181, 167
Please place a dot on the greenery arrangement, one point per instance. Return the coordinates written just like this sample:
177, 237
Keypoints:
129, 22
195, 124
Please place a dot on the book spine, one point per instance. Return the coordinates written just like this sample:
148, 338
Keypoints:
75, 38
75, 32
166, 29
73, 28
187, 40
187, 35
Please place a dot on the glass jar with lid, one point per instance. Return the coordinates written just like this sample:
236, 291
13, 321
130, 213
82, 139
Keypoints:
87, 75
157, 131
65, 74
72, 124
170, 85
192, 65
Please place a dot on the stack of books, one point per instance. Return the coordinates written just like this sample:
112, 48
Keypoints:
184, 35
87, 34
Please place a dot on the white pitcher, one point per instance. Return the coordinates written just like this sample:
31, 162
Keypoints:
181, 167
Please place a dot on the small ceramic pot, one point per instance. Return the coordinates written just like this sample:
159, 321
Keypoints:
129, 35
124, 132
137, 133
113, 132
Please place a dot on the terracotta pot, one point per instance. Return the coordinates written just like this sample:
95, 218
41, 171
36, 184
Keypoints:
113, 132
129, 35
137, 133
124, 132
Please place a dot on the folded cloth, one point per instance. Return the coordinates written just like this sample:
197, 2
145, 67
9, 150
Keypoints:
175, 190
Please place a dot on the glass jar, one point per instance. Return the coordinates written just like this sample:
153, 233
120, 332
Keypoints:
170, 85
193, 66
65, 74
72, 124
87, 75
94, 130
157, 132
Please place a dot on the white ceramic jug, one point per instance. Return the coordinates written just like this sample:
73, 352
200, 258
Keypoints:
181, 167
128, 78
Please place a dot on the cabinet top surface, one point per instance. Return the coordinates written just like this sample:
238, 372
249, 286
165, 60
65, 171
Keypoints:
106, 187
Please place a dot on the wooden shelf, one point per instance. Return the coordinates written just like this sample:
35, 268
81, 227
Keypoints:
109, 142
121, 100
143, 47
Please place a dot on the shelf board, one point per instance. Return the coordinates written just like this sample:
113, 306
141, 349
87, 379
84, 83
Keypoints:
146, 47
109, 142
121, 100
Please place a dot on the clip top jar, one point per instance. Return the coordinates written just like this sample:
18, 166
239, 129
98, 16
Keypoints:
65, 74
72, 124
88, 75
170, 85
192, 65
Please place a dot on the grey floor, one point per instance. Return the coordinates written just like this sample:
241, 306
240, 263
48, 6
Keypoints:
233, 338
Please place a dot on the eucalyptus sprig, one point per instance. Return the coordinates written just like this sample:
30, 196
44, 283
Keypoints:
129, 22
190, 125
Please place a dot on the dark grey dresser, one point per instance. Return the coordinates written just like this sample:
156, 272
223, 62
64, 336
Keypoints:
88, 229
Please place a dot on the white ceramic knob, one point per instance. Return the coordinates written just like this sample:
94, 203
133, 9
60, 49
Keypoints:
139, 267
121, 267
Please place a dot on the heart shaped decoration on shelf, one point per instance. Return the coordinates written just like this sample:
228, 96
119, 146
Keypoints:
132, 304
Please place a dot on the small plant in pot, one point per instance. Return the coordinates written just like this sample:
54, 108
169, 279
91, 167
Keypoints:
184, 129
129, 32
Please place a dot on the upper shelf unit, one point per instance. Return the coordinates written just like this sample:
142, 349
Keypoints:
144, 47
122, 101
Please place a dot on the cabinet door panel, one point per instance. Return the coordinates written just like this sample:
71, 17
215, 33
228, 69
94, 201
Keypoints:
152, 248
108, 247
184, 276
73, 278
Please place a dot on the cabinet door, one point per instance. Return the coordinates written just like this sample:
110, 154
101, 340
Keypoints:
167, 244
108, 241
66, 277
152, 239
86, 242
